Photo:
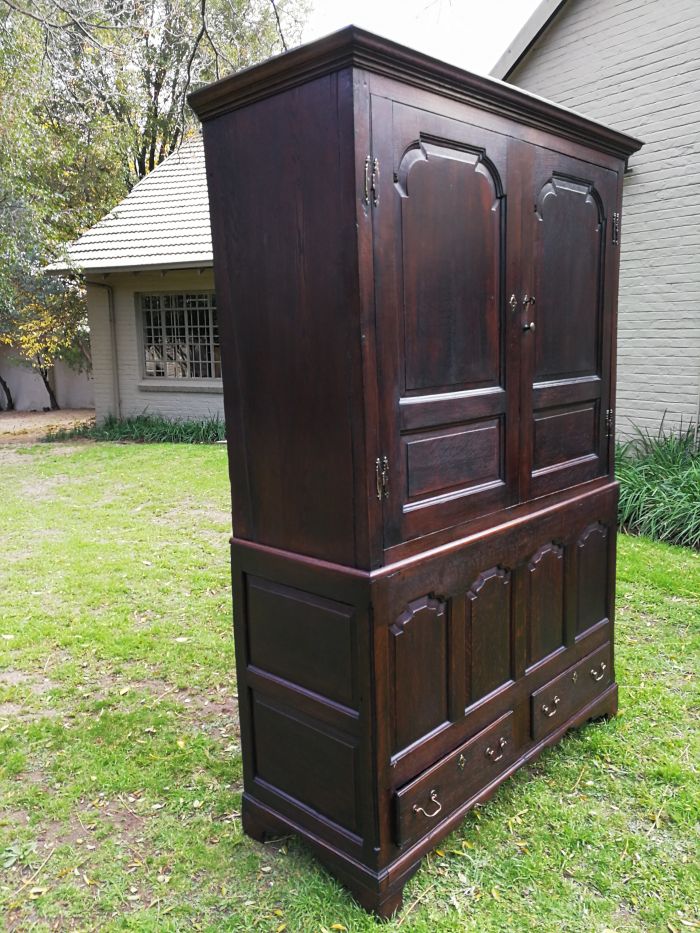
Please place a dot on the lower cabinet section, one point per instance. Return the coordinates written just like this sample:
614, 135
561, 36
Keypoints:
448, 784
377, 708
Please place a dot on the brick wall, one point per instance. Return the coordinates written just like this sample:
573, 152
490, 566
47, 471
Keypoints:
136, 394
635, 65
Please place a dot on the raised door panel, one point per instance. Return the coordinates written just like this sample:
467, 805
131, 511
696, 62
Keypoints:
566, 322
489, 633
592, 569
419, 667
545, 603
447, 396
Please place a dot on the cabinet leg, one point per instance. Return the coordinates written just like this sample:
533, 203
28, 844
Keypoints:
260, 828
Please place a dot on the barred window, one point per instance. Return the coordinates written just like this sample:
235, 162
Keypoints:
181, 335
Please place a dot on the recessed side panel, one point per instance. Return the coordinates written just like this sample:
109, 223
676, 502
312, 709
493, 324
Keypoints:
489, 633
545, 602
419, 670
302, 638
592, 558
306, 761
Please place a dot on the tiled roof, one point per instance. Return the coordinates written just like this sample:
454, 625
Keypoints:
162, 223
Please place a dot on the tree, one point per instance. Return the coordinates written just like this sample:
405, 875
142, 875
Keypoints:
93, 97
133, 62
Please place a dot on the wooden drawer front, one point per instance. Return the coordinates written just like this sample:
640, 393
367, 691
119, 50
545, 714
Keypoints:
559, 699
426, 801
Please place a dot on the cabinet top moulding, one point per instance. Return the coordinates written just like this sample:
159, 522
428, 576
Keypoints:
355, 47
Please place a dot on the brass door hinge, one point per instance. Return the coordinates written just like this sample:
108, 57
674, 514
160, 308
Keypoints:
371, 185
381, 467
615, 228
609, 415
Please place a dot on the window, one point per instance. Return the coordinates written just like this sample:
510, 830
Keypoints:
181, 335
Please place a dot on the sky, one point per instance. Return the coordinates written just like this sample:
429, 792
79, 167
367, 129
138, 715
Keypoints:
472, 34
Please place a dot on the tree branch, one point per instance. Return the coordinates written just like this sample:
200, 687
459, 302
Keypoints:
279, 25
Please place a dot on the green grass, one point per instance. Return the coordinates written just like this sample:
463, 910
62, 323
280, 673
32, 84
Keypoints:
120, 769
659, 478
147, 429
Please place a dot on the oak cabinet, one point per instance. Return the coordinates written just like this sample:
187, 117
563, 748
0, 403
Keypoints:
416, 273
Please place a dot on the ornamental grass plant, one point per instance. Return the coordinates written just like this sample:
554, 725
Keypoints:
659, 478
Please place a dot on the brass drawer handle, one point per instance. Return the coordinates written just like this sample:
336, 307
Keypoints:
433, 798
549, 711
491, 752
599, 676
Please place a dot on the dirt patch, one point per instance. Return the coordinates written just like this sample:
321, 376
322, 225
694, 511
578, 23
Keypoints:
14, 818
10, 710
36, 683
42, 490
26, 427
187, 511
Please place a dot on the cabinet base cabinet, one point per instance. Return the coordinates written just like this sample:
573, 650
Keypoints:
378, 707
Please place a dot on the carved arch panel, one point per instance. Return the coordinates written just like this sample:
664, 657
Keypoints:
419, 640
569, 240
592, 567
452, 231
489, 640
545, 602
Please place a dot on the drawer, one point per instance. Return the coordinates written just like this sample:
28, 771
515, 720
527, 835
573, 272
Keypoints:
562, 697
424, 802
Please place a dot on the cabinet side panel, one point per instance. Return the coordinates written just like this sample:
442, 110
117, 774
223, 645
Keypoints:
281, 174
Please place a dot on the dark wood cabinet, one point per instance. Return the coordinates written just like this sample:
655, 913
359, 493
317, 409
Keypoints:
416, 272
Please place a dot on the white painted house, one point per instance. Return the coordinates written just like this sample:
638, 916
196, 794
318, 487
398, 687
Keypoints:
150, 292
635, 65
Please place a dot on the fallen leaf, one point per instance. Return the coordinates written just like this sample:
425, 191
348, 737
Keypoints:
338, 926
123, 692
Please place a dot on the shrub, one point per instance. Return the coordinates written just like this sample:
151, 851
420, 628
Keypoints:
148, 429
660, 485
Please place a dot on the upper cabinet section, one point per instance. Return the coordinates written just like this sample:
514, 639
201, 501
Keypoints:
416, 287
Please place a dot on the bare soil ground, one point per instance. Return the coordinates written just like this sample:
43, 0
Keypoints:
24, 427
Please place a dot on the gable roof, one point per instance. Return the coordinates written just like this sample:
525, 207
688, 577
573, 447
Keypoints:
525, 39
162, 223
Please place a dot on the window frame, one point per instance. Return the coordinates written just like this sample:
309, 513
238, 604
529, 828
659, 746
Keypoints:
151, 381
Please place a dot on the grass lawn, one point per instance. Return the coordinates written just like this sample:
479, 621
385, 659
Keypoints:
120, 769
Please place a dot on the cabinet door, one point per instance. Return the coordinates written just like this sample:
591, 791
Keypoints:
447, 350
566, 314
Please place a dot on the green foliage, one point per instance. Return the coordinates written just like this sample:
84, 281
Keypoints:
92, 98
149, 429
120, 762
660, 485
